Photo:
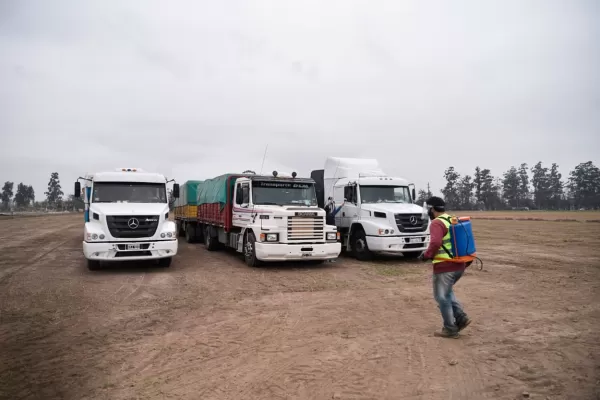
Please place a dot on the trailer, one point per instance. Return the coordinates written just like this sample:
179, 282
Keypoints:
267, 218
185, 211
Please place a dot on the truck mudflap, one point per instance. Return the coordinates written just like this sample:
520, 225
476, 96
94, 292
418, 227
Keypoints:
286, 252
129, 251
397, 244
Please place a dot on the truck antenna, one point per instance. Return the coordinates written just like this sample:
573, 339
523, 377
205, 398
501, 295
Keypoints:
263, 161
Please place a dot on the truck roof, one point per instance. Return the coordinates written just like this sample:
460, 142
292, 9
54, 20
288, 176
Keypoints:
362, 170
278, 179
127, 176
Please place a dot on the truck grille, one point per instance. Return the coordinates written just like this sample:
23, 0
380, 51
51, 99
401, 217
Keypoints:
301, 228
123, 226
410, 223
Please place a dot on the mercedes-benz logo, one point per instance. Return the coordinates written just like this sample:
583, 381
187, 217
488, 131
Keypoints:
133, 223
413, 220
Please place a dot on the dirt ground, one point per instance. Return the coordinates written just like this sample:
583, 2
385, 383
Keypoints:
210, 327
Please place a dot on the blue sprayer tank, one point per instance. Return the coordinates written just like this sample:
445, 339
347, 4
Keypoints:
463, 241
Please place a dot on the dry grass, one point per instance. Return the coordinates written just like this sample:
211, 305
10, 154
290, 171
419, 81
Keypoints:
563, 216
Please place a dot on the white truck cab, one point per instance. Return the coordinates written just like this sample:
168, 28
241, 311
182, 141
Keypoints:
127, 217
273, 218
376, 212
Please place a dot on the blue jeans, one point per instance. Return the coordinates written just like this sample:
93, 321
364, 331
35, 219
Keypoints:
452, 311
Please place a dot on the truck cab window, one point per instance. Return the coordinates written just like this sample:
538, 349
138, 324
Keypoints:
245, 193
350, 194
129, 192
238, 194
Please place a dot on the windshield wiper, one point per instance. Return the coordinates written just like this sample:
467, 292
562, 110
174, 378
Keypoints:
267, 203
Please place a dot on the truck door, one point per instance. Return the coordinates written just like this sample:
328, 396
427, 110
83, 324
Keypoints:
241, 201
349, 211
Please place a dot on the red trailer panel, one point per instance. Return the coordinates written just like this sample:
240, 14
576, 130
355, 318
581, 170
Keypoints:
213, 214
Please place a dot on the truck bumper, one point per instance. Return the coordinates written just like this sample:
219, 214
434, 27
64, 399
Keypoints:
288, 252
118, 251
397, 244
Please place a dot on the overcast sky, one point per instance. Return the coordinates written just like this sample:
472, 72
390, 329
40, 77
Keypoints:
199, 88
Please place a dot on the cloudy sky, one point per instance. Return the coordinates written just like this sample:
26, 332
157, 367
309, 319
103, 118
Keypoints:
199, 88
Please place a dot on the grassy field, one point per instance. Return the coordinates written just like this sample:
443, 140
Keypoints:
582, 216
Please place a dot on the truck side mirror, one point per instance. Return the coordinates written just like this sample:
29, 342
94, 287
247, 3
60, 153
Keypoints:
176, 190
77, 192
414, 195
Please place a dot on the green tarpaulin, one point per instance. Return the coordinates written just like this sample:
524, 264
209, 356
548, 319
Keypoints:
188, 194
215, 190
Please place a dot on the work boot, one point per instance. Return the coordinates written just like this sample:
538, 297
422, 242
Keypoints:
445, 333
463, 323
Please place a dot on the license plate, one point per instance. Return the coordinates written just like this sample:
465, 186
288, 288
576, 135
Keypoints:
133, 246
306, 254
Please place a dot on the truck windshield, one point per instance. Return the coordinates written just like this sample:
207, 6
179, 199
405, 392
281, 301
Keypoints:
129, 192
283, 193
384, 194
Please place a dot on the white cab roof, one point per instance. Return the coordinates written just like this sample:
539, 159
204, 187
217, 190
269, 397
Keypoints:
128, 176
351, 168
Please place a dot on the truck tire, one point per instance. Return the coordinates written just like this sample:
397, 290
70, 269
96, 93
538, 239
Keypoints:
250, 251
210, 242
93, 265
360, 248
190, 233
165, 262
180, 231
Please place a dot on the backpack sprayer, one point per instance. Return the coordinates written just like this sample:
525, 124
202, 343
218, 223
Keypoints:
463, 249
462, 242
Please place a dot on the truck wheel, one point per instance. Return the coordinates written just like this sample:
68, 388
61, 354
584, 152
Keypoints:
250, 251
165, 262
360, 249
180, 231
209, 241
93, 265
190, 233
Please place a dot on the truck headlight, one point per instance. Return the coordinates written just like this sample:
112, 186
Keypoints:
269, 237
332, 235
386, 231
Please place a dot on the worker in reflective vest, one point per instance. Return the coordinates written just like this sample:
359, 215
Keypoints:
445, 271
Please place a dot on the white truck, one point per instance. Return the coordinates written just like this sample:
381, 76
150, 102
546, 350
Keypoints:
377, 213
267, 218
127, 217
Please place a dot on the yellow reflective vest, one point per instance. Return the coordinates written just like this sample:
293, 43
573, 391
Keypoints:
442, 255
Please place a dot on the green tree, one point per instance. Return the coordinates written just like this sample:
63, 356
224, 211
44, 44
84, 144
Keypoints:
465, 193
478, 184
511, 187
423, 195
450, 191
54, 194
584, 184
541, 185
555, 186
7, 194
22, 198
30, 194
524, 185
489, 192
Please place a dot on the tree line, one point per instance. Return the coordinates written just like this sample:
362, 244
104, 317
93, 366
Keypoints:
538, 187
24, 198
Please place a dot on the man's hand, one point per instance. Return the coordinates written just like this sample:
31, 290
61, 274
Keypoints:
422, 257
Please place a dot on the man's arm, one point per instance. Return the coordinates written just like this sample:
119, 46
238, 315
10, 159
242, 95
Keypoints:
337, 209
437, 232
